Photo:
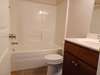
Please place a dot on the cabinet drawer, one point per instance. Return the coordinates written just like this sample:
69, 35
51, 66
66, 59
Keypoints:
68, 66
72, 48
85, 54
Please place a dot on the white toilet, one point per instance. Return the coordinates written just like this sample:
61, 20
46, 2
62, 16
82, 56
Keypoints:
54, 64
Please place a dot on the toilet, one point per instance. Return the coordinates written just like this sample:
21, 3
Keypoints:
54, 62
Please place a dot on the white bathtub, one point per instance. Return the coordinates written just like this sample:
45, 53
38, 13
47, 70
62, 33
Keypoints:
26, 59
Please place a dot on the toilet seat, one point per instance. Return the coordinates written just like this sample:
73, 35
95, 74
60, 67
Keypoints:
54, 59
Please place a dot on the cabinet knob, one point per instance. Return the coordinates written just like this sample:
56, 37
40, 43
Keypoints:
74, 63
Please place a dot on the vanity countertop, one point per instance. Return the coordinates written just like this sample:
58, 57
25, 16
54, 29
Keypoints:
93, 44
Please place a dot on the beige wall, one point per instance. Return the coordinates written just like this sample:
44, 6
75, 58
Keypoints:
60, 23
4, 25
4, 41
95, 23
79, 17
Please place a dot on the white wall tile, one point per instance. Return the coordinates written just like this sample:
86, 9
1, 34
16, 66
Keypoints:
34, 27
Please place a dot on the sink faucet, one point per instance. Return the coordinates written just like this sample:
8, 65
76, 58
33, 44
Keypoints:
98, 37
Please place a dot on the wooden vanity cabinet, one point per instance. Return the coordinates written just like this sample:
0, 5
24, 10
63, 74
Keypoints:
79, 60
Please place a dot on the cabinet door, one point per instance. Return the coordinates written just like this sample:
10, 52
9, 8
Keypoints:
73, 66
86, 70
70, 67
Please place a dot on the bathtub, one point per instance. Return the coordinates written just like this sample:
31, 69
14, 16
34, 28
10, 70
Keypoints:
27, 59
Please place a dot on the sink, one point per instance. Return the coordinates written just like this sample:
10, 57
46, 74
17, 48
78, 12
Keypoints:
87, 42
94, 42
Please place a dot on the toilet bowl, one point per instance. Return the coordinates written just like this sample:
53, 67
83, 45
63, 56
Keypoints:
54, 64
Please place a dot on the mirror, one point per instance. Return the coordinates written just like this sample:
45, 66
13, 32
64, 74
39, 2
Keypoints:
95, 22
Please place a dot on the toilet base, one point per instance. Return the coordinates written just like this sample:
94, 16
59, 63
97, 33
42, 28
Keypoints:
54, 70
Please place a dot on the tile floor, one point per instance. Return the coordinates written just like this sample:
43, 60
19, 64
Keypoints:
38, 71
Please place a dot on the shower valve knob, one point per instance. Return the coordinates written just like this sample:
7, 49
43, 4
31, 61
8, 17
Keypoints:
12, 36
